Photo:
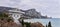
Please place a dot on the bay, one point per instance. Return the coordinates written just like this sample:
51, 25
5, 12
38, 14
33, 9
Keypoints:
54, 21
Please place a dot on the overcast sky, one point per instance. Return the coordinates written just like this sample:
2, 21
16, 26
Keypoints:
46, 7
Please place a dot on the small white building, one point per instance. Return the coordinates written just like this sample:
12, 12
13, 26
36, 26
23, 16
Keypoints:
15, 14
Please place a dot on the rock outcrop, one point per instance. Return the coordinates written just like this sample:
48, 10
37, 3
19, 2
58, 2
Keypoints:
37, 24
31, 13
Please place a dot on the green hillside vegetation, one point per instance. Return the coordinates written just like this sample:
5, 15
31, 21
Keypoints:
4, 16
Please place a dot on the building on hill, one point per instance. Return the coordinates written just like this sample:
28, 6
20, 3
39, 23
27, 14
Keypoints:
15, 14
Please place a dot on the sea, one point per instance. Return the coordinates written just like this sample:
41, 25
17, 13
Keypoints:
55, 22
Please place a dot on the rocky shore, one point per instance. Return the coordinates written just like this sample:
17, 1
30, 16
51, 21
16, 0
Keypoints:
5, 23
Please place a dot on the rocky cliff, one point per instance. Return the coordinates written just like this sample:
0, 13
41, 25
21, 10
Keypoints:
31, 13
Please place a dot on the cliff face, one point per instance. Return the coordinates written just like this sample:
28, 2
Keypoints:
32, 13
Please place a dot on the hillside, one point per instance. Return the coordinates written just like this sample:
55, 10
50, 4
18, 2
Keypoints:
31, 13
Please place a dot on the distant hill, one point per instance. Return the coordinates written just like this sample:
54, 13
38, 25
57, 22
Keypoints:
31, 13
3, 9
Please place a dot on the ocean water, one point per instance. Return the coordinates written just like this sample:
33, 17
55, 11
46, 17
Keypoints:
55, 22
